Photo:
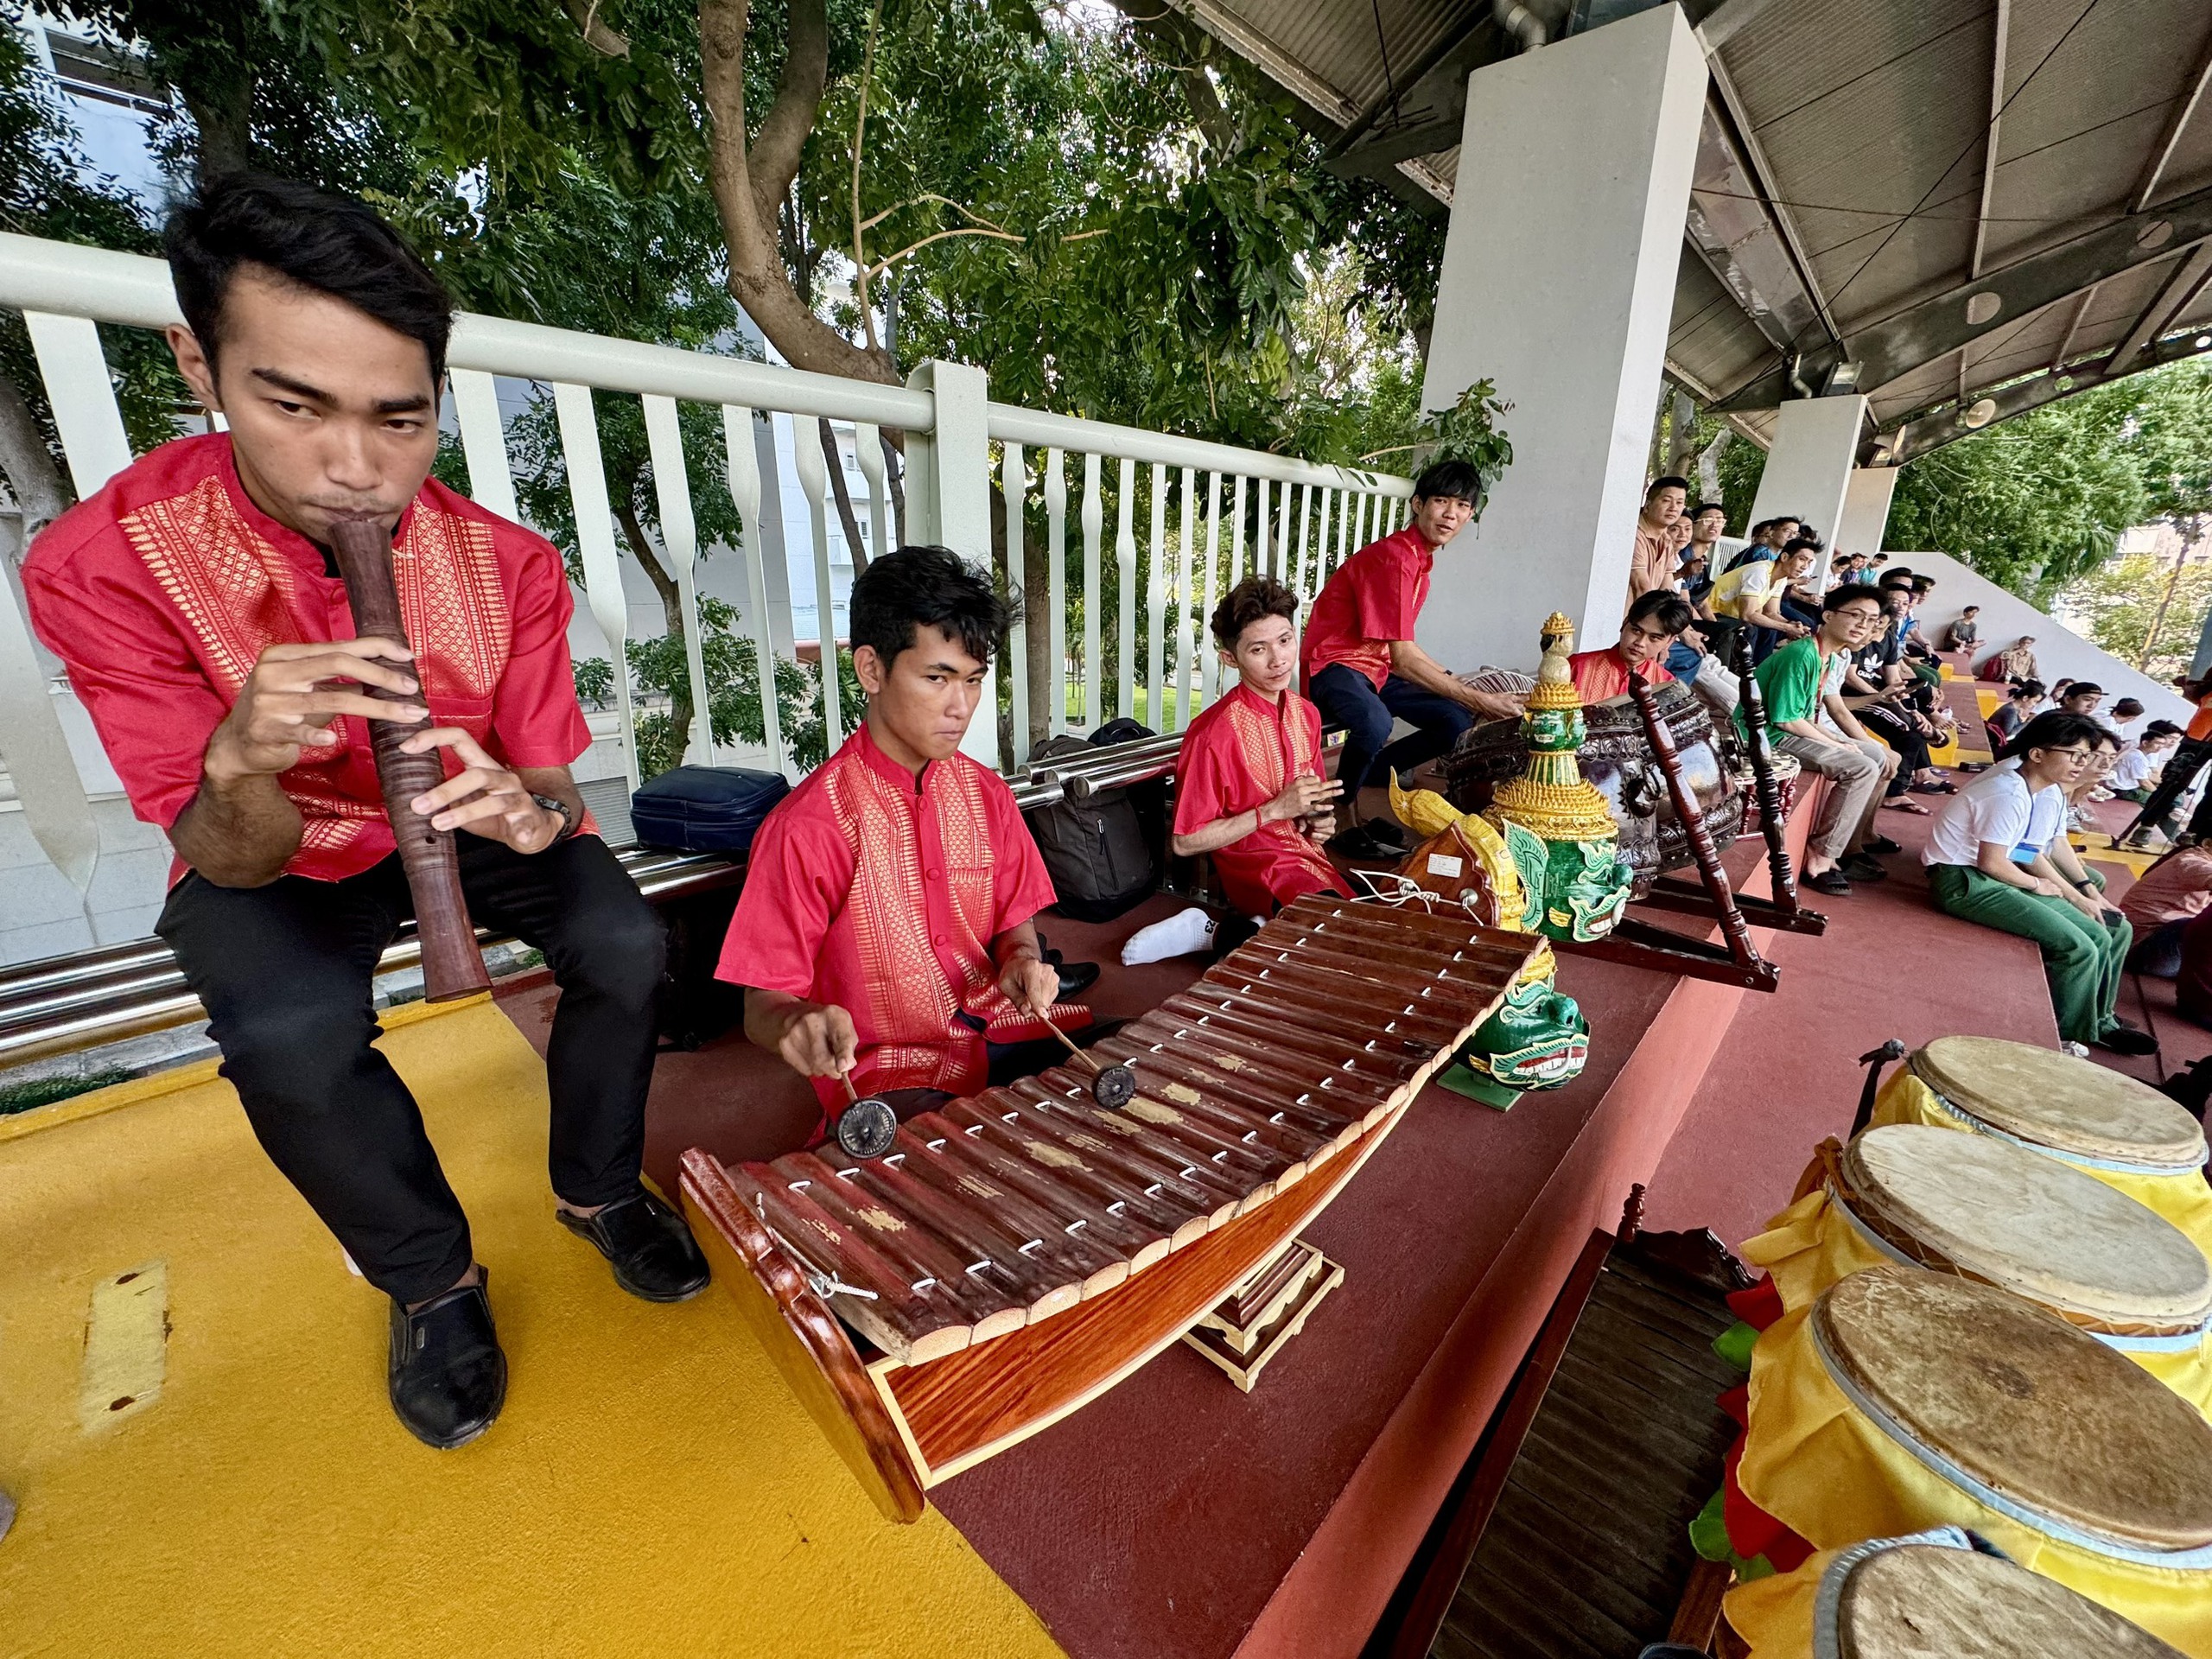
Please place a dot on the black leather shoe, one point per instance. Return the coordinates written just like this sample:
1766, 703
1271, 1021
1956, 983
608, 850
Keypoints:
1880, 844
1859, 867
2121, 1039
1076, 978
1831, 881
653, 1253
447, 1376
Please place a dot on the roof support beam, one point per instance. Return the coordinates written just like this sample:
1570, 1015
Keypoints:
2183, 108
2173, 298
1937, 326
1915, 438
1989, 141
1762, 172
2073, 327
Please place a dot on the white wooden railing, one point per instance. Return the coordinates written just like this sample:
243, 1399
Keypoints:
1211, 513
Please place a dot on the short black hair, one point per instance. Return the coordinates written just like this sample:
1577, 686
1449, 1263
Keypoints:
1455, 480
2161, 729
2084, 688
2127, 708
1669, 612
932, 587
2026, 690
1248, 602
2053, 729
315, 238
1801, 545
1970, 610
1667, 481
1759, 529
1850, 594
1704, 507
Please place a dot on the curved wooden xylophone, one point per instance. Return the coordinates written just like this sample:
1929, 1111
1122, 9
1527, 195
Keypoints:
1021, 1251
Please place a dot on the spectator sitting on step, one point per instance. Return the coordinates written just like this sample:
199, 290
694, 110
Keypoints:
1965, 633
2120, 718
2079, 698
2087, 787
1997, 855
2015, 663
2136, 772
2017, 708
2163, 901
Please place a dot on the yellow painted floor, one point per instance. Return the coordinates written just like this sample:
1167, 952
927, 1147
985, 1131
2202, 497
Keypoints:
650, 1488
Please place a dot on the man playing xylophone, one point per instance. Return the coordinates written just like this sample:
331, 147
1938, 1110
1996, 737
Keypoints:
205, 625
884, 936
1249, 784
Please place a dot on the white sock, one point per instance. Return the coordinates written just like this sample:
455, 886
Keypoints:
1179, 936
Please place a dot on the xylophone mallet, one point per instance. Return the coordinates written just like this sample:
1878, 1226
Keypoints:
1111, 1086
867, 1126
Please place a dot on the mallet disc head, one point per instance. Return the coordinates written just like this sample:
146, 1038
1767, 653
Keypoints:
866, 1128
1115, 1086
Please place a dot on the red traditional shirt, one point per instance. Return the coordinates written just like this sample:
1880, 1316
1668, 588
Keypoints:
1374, 598
1237, 755
1601, 675
881, 894
160, 593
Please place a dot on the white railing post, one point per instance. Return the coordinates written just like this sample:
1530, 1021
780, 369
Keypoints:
1094, 593
1237, 571
1155, 631
483, 442
1056, 571
1209, 661
679, 534
1125, 590
1186, 663
1261, 566
1304, 532
1014, 484
814, 484
572, 405
960, 498
868, 451
85, 415
744, 473
1281, 571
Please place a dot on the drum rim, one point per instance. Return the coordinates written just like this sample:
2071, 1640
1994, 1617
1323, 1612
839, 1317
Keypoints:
2190, 1558
1917, 1064
1880, 1231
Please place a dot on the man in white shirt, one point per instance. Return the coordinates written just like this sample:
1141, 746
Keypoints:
1998, 855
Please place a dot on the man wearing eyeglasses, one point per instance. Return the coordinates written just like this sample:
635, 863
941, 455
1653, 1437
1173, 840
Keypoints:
1998, 855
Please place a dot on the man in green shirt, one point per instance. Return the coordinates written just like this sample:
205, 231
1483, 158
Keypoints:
1801, 683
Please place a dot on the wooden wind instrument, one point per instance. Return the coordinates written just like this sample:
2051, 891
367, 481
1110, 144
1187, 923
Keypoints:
452, 965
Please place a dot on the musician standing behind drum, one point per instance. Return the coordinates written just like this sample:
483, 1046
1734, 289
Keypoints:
1249, 787
884, 936
196, 603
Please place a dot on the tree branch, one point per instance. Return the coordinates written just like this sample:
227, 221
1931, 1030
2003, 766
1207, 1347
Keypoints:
777, 146
885, 264
860, 131
32, 477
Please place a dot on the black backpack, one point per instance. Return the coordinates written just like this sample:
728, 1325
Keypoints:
1097, 853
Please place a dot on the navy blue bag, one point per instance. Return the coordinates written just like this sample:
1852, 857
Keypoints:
705, 809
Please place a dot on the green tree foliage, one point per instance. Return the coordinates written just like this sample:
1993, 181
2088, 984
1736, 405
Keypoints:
2040, 501
2144, 610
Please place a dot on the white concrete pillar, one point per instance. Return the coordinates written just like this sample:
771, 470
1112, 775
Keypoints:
1808, 468
1558, 285
1865, 510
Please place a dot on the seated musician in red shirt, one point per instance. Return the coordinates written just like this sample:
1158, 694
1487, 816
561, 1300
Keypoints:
1249, 784
884, 935
1654, 622
1365, 671
205, 627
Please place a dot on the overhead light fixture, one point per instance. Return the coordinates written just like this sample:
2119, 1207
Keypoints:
1843, 377
1979, 414
2203, 342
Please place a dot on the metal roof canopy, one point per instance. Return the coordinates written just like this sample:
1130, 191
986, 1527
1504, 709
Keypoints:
1942, 203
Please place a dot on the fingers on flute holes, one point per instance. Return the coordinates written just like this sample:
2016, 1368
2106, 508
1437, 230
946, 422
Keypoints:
866, 1128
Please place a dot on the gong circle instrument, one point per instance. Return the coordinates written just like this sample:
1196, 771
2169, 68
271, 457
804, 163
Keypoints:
1933, 1595
1903, 1399
1014, 1253
2123, 1132
866, 1126
1988, 1209
1616, 758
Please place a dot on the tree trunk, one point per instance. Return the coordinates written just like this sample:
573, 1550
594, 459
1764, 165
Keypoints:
1681, 437
2166, 603
33, 479
1708, 464
672, 610
843, 492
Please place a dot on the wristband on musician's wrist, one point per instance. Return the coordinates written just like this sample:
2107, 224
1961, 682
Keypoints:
560, 808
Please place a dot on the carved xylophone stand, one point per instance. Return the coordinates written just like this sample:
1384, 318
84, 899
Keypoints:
1735, 959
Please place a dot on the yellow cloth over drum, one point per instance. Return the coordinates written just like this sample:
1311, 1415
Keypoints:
1815, 1243
1816, 1463
2184, 1198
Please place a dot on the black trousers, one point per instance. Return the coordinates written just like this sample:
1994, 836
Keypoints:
284, 972
2181, 767
1900, 734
